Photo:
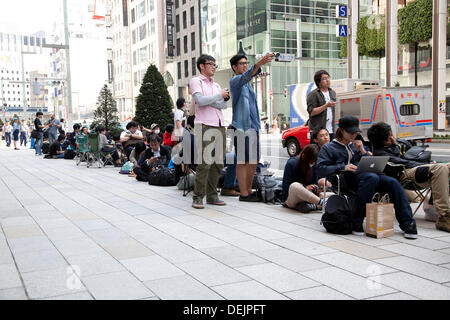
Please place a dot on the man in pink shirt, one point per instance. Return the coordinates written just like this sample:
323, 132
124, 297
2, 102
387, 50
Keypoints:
209, 99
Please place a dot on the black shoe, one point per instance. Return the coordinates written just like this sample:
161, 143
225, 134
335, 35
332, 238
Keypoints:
357, 229
250, 198
410, 231
306, 207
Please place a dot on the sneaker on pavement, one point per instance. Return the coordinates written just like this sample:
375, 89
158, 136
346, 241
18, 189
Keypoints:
443, 223
358, 230
250, 198
198, 204
229, 192
410, 231
305, 207
216, 202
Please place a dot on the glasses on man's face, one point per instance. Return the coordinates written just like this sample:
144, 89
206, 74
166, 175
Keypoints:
243, 63
212, 64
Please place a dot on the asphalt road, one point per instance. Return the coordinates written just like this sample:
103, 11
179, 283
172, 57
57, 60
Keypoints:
273, 152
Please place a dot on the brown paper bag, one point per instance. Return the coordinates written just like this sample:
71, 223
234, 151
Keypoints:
380, 217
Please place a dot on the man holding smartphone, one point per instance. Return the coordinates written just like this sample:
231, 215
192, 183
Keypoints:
321, 103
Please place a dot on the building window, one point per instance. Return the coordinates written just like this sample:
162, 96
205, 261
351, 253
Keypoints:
134, 36
178, 47
194, 67
192, 41
179, 70
152, 26
177, 23
186, 68
141, 10
177, 4
185, 40
152, 5
184, 20
143, 31
133, 15
134, 58
192, 16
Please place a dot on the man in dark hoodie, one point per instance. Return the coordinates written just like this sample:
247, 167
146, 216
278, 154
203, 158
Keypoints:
434, 175
321, 103
344, 154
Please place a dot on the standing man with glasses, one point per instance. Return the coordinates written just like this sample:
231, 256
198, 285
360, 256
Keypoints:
38, 127
209, 99
246, 122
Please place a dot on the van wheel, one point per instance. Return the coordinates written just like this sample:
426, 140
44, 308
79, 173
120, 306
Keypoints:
293, 148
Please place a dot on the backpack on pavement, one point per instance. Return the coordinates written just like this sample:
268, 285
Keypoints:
163, 177
269, 189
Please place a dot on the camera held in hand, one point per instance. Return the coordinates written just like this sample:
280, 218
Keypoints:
226, 99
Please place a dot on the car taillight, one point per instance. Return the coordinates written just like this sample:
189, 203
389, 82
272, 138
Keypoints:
429, 140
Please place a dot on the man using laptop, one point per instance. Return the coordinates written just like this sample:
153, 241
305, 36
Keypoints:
344, 154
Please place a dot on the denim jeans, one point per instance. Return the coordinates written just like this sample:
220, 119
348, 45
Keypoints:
38, 143
369, 184
8, 138
230, 180
23, 138
52, 137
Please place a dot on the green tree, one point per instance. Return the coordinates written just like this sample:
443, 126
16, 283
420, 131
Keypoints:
371, 36
106, 112
154, 104
343, 54
415, 22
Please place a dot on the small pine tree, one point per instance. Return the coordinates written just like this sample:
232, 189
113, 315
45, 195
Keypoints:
154, 104
106, 112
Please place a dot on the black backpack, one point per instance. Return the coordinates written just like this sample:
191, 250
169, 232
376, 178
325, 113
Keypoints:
45, 148
339, 211
69, 154
162, 176
269, 189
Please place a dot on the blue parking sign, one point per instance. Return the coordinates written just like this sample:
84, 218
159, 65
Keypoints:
341, 11
341, 31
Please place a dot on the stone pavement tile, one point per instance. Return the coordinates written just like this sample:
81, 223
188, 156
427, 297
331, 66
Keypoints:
233, 221
46, 214
39, 207
208, 213
446, 238
10, 212
418, 268
104, 236
359, 249
9, 277
127, 249
95, 263
277, 278
22, 231
423, 242
232, 256
151, 268
13, 294
348, 283
262, 232
30, 244
178, 252
39, 260
415, 286
317, 293
410, 250
302, 246
53, 223
71, 247
5, 253
17, 221
116, 286
252, 244
395, 296
446, 251
138, 211
447, 265
211, 272
64, 233
181, 288
225, 233
92, 224
155, 219
369, 240
354, 264
447, 284
79, 214
248, 290
84, 295
50, 283
291, 260
170, 211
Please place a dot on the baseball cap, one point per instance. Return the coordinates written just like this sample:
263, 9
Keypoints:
153, 126
349, 124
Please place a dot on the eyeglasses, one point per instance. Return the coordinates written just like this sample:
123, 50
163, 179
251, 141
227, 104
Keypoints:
212, 64
243, 63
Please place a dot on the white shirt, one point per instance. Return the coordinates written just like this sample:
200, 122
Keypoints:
178, 116
23, 128
138, 132
7, 128
329, 112
157, 154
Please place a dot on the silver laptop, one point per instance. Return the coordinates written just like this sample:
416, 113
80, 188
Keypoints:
374, 164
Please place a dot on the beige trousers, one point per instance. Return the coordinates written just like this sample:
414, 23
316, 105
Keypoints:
298, 193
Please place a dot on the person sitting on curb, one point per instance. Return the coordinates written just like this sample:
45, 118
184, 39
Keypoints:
130, 137
344, 154
300, 185
153, 156
56, 152
434, 175
320, 137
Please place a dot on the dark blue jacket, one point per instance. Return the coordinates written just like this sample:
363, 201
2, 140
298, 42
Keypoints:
333, 157
292, 174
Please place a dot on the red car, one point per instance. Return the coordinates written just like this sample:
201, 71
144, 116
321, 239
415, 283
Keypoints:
295, 139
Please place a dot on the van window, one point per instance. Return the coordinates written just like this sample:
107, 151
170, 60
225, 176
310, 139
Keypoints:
409, 109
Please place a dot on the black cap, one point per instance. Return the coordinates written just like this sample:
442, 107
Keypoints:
349, 124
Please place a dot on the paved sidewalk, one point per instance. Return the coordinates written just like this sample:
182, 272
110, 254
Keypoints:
129, 240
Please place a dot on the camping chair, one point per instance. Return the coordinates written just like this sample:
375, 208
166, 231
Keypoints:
82, 150
94, 154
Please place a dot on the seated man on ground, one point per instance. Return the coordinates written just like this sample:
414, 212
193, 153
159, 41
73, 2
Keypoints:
73, 135
56, 152
321, 137
105, 146
169, 137
434, 175
300, 185
138, 152
130, 137
153, 156
344, 154
85, 131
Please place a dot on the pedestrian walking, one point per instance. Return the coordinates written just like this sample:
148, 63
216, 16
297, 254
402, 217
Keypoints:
16, 129
38, 126
209, 100
54, 125
23, 130
321, 103
246, 122
7, 130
